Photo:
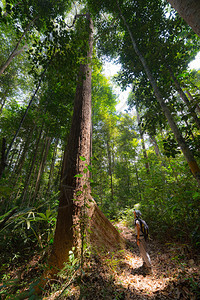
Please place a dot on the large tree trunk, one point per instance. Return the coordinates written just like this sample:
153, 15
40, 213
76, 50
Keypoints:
51, 172
178, 136
78, 146
67, 233
189, 10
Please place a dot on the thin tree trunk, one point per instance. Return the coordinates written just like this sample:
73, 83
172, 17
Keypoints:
2, 104
110, 169
143, 144
41, 168
15, 51
3, 157
33, 178
155, 144
18, 168
24, 116
138, 183
157, 150
18, 157
27, 182
184, 98
17, 172
189, 10
179, 138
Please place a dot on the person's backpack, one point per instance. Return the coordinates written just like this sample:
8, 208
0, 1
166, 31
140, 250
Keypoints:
144, 228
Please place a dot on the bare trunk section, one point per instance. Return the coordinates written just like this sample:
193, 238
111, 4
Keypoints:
178, 136
28, 178
155, 144
41, 167
52, 168
2, 104
15, 175
138, 183
189, 10
3, 157
143, 143
110, 169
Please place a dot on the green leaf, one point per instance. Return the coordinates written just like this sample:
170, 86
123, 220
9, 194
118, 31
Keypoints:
79, 193
48, 213
42, 216
196, 195
89, 168
82, 158
79, 175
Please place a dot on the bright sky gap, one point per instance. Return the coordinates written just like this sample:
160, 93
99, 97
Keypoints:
110, 69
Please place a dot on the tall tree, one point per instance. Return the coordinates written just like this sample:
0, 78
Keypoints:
75, 189
185, 149
78, 147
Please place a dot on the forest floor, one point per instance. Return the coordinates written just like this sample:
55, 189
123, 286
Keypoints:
116, 274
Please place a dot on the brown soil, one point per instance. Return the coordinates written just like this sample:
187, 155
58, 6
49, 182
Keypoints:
116, 274
112, 273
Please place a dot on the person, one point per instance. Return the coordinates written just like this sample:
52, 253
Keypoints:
141, 242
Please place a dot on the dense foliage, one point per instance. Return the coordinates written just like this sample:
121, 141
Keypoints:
135, 156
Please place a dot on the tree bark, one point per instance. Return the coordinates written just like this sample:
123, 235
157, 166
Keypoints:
143, 144
2, 104
138, 183
78, 146
189, 10
155, 144
110, 168
51, 172
28, 178
67, 233
178, 136
3, 157
41, 167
